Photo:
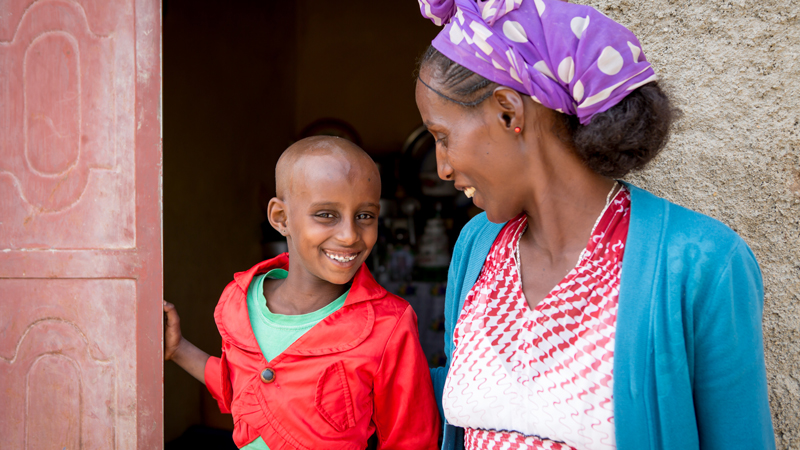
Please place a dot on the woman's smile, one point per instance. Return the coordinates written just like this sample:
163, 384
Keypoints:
469, 192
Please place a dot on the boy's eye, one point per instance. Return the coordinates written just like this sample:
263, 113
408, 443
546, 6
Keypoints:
325, 215
365, 216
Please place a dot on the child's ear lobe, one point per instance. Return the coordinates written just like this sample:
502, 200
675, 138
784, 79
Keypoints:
276, 214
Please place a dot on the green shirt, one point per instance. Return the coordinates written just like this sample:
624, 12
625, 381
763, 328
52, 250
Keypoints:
276, 332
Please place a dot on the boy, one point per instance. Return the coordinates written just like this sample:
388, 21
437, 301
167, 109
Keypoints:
321, 356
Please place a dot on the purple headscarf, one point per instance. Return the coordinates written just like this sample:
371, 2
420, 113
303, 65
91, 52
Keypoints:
570, 58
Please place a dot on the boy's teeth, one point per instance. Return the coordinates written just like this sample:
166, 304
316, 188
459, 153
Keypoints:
341, 258
469, 192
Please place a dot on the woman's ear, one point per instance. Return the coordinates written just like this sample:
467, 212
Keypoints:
277, 216
510, 108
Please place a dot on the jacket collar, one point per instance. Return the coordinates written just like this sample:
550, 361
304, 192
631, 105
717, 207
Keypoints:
342, 330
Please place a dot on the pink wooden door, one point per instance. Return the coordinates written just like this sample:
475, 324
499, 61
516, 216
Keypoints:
80, 224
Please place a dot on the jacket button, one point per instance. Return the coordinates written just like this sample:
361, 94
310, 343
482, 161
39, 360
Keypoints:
267, 375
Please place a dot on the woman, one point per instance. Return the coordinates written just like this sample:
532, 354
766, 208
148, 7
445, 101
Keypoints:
652, 340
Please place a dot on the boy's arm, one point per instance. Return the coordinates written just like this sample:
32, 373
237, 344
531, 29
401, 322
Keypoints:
178, 349
405, 408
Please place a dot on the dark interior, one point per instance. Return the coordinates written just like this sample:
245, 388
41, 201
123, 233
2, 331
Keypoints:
243, 80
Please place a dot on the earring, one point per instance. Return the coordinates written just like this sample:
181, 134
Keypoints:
517, 130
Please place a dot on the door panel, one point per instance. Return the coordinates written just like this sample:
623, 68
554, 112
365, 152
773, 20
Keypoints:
80, 224
67, 362
66, 158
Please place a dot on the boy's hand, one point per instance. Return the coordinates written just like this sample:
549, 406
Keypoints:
178, 349
172, 331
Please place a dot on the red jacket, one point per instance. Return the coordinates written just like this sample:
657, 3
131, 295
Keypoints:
361, 370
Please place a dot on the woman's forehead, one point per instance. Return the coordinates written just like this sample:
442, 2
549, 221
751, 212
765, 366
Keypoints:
435, 111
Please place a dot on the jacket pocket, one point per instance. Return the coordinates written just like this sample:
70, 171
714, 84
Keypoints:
333, 400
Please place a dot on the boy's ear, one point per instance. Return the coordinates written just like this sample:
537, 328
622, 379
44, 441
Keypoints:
276, 214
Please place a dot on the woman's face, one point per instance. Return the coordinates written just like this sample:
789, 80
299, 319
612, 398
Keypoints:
476, 149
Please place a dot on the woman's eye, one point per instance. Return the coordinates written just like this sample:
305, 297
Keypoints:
325, 215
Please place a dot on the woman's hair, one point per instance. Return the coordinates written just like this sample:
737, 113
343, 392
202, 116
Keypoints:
624, 138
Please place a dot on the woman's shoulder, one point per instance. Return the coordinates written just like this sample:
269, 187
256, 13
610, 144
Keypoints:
479, 228
659, 226
474, 242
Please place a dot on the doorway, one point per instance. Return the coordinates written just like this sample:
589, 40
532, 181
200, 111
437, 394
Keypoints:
242, 81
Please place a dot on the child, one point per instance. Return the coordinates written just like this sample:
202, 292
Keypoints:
321, 356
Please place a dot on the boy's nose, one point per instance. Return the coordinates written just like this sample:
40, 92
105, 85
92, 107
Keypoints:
348, 232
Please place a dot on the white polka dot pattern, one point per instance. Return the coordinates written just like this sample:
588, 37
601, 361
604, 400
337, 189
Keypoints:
577, 91
566, 69
540, 6
541, 66
456, 35
514, 31
567, 43
635, 51
610, 61
541, 378
579, 25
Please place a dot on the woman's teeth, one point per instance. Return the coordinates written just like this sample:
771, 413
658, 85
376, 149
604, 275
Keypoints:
341, 258
469, 192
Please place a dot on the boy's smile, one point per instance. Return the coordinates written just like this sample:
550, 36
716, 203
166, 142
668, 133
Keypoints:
341, 258
332, 214
327, 207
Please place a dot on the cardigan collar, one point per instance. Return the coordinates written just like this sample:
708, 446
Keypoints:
340, 331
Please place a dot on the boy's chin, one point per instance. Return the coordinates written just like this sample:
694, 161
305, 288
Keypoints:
341, 276
340, 280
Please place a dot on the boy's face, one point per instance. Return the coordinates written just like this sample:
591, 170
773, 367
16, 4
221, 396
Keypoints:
332, 216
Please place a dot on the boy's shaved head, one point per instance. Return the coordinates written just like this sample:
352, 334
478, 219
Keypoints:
327, 206
342, 155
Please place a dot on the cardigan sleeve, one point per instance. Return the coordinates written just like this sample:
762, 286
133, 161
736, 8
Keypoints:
470, 251
438, 377
729, 382
405, 409
452, 296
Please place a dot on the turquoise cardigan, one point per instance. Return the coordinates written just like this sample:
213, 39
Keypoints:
689, 357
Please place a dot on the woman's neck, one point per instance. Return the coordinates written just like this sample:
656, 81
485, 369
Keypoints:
565, 200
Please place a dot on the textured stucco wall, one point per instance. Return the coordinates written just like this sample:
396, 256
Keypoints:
733, 68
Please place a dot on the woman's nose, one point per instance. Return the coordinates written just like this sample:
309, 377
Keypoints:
442, 166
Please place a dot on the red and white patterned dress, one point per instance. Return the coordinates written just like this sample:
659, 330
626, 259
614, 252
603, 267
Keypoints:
541, 378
